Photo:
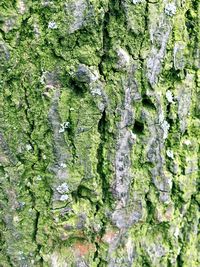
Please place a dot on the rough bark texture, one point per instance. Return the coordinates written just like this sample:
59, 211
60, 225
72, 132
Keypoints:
99, 133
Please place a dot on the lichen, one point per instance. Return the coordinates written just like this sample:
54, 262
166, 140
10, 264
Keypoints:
52, 25
64, 198
63, 188
64, 126
170, 154
170, 9
99, 133
137, 1
169, 96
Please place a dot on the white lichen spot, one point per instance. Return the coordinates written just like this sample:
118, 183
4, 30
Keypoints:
161, 117
63, 126
56, 219
170, 9
63, 165
28, 147
137, 1
124, 58
52, 25
96, 91
16, 219
64, 198
28, 184
133, 136
170, 153
169, 96
101, 106
21, 6
61, 130
176, 232
63, 188
42, 79
187, 142
165, 126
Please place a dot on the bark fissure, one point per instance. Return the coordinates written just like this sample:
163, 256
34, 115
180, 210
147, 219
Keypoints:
101, 159
99, 140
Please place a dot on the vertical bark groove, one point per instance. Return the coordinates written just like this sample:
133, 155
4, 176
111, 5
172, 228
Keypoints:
99, 133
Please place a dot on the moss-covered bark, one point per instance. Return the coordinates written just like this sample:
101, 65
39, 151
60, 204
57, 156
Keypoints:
99, 133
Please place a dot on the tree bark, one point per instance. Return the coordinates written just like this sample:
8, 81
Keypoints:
99, 133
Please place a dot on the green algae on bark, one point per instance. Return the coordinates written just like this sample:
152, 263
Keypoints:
99, 133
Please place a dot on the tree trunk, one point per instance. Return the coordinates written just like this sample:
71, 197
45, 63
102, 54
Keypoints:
99, 133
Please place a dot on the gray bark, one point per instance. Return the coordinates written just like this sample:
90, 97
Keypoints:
99, 133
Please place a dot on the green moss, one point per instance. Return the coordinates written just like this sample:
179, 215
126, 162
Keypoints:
37, 67
86, 55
